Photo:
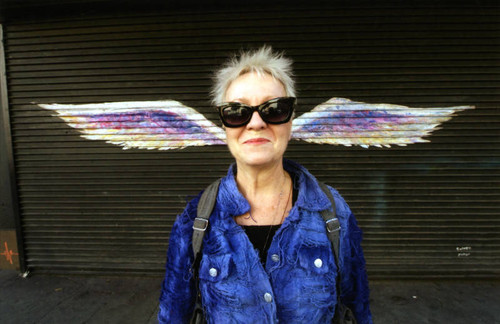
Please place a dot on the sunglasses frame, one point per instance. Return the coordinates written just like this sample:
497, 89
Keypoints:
258, 109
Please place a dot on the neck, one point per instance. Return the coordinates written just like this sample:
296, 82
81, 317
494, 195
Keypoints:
267, 190
253, 181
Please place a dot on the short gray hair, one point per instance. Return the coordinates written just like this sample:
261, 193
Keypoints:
262, 60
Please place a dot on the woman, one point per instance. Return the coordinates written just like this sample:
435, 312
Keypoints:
266, 256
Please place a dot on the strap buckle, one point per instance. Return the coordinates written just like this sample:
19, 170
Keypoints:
332, 225
200, 224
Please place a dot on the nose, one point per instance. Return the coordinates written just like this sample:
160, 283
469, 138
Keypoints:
256, 122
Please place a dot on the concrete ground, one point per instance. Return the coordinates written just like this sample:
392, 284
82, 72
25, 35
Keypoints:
79, 299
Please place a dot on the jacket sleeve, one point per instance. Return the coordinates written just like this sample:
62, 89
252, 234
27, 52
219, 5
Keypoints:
177, 293
355, 291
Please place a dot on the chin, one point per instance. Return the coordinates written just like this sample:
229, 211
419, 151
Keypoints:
260, 161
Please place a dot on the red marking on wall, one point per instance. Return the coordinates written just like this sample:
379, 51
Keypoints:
8, 253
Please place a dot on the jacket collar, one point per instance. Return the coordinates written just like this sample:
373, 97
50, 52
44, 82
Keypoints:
310, 196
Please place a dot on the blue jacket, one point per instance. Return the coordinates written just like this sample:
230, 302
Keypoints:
297, 284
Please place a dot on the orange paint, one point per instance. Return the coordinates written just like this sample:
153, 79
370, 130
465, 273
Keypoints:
8, 253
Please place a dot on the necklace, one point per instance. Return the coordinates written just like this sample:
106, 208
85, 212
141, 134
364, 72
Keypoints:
277, 207
281, 221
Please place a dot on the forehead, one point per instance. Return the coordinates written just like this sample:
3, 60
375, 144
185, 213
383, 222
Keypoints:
254, 88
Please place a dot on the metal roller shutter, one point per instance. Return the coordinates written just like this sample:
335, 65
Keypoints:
427, 210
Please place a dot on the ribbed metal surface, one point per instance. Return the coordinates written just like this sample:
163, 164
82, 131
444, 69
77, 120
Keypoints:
428, 209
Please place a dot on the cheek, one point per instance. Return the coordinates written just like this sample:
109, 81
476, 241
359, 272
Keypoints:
232, 135
287, 132
229, 134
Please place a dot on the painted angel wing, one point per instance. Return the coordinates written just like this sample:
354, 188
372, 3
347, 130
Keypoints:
149, 125
344, 122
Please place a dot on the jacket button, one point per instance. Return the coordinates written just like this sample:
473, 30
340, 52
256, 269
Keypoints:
318, 263
213, 272
275, 257
268, 298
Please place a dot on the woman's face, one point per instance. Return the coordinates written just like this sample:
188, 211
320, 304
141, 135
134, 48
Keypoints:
257, 144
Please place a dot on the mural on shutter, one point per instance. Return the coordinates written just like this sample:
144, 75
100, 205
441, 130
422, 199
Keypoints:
166, 125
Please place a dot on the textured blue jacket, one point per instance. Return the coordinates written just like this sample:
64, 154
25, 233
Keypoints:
297, 284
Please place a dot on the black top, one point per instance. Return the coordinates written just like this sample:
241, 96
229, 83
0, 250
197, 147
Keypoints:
258, 234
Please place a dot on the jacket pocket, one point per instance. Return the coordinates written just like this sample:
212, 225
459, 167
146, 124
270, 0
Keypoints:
218, 284
214, 268
312, 285
316, 259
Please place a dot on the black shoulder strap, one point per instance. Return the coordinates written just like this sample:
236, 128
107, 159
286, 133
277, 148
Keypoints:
332, 230
200, 225
204, 210
332, 223
343, 314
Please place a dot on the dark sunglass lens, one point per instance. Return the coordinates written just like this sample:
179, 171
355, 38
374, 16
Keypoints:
236, 115
277, 112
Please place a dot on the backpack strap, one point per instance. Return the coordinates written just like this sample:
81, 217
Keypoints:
333, 231
205, 207
343, 314
203, 212
332, 224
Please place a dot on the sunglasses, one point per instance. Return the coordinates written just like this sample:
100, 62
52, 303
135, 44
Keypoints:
275, 111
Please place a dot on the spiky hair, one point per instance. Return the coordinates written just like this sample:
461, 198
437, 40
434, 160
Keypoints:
261, 60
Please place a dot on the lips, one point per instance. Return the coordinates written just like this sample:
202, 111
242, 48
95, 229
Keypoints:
259, 140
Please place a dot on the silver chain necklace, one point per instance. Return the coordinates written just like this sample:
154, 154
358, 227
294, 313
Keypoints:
281, 222
280, 197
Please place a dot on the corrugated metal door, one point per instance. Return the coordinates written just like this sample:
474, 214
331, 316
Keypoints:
427, 209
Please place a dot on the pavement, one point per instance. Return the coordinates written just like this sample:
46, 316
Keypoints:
85, 299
